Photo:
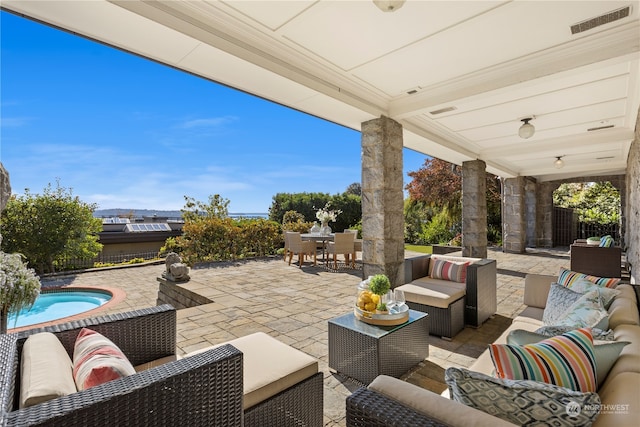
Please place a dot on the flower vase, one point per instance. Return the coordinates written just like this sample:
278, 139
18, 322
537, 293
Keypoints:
325, 229
315, 229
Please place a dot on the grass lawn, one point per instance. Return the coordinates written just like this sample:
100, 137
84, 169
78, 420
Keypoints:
419, 248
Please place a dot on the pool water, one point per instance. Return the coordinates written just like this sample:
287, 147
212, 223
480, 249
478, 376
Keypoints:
56, 305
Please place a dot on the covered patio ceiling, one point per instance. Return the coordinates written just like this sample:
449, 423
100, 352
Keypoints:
458, 75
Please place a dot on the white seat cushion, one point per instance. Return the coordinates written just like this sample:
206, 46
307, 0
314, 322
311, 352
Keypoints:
433, 292
270, 366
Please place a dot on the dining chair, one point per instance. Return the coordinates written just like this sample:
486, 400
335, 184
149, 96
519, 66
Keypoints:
343, 243
286, 246
300, 247
357, 243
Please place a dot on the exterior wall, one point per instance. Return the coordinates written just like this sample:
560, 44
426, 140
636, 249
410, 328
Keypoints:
382, 199
632, 211
474, 209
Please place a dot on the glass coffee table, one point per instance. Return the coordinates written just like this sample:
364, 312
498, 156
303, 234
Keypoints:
362, 351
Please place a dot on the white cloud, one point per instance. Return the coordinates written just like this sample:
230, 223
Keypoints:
15, 122
210, 122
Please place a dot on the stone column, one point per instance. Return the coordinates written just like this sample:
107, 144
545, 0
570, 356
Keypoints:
5, 187
382, 200
530, 206
474, 209
632, 207
544, 214
514, 226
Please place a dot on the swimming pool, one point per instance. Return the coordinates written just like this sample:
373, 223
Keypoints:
57, 304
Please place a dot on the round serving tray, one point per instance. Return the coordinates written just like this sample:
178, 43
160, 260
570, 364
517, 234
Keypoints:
380, 319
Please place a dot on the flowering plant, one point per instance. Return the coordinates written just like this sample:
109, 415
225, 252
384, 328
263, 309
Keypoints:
325, 215
19, 286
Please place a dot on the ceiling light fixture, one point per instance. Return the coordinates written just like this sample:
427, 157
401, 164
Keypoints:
389, 5
526, 130
559, 163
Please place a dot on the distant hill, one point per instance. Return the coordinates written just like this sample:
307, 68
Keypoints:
139, 213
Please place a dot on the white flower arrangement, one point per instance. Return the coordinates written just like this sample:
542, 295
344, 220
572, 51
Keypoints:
19, 286
325, 214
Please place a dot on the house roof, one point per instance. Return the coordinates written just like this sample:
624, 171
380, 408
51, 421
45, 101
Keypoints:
458, 75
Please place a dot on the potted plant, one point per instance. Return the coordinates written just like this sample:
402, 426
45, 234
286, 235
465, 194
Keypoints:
19, 286
593, 240
380, 285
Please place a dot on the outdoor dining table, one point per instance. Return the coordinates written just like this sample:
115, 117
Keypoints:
318, 237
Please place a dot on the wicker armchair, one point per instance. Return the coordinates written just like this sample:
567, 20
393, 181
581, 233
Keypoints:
205, 389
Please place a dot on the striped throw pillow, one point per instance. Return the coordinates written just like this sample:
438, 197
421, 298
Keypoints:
96, 360
449, 270
567, 360
606, 241
568, 277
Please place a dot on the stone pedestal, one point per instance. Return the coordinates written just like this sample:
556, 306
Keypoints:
474, 209
382, 200
178, 295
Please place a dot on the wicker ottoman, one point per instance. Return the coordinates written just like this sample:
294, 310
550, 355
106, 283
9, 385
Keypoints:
362, 351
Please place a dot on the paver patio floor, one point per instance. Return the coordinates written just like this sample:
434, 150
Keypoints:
293, 304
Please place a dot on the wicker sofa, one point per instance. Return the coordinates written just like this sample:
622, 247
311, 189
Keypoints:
388, 401
451, 305
203, 389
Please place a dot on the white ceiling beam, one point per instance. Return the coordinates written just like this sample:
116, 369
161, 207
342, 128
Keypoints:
219, 34
606, 136
599, 47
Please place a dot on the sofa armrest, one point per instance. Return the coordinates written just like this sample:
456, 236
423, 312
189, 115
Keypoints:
142, 335
390, 401
481, 298
536, 289
416, 267
205, 389
368, 408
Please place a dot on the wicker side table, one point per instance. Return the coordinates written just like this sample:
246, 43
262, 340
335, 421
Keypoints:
362, 351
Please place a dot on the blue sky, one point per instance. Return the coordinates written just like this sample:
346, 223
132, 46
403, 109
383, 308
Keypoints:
125, 132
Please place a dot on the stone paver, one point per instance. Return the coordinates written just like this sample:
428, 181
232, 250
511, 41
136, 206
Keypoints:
293, 304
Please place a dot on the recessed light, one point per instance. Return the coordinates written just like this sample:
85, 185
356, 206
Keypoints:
600, 128
442, 110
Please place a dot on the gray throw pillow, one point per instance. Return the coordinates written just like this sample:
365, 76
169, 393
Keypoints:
522, 402
553, 330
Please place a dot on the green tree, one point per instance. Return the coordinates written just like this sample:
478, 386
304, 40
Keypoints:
354, 188
438, 185
594, 202
50, 227
307, 204
193, 210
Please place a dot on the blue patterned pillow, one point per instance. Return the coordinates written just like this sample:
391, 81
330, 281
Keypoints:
522, 402
559, 300
587, 312
553, 330
583, 286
